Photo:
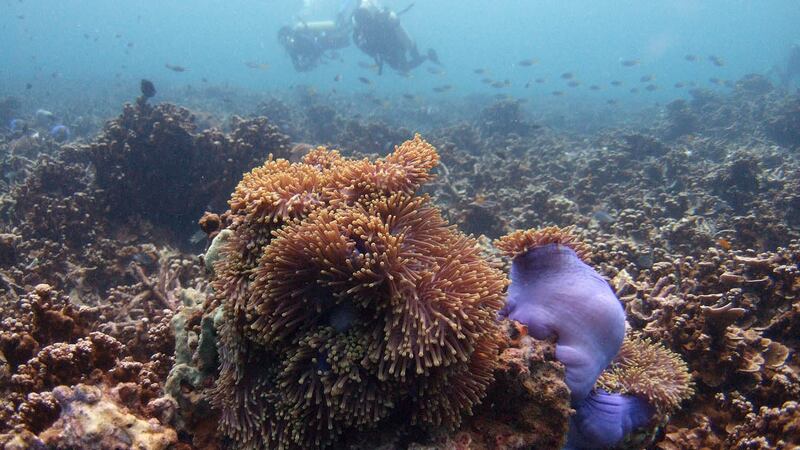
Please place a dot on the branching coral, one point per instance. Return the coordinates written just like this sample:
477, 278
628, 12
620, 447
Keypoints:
348, 301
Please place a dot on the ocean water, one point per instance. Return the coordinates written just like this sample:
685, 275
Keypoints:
649, 150
94, 44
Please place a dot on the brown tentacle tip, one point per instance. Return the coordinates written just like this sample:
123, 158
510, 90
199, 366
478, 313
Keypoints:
521, 241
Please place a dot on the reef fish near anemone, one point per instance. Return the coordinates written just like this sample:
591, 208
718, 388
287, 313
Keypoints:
557, 295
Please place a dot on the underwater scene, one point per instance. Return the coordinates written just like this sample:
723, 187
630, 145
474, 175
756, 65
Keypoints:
399, 224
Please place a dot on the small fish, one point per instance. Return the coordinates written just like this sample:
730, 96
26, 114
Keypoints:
479, 71
616, 83
729, 84
435, 71
594, 87
368, 66
724, 244
338, 77
634, 90
716, 60
690, 58
443, 88
528, 62
175, 68
574, 83
679, 85
611, 101
651, 87
487, 80
603, 217
527, 85
629, 62
21, 17
498, 84
28, 86
567, 75
540, 80
255, 65
147, 88
129, 44
408, 97
118, 36
557, 93
364, 80
433, 56
714, 80
204, 80
646, 78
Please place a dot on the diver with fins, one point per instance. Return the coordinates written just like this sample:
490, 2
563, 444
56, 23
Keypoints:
376, 31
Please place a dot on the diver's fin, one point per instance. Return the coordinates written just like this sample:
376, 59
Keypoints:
405, 10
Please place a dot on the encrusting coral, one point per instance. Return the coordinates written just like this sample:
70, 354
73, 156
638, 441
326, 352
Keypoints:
349, 301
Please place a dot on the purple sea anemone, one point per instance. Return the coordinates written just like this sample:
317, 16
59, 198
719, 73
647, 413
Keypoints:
557, 295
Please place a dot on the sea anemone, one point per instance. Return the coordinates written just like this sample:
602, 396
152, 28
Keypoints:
347, 300
650, 371
558, 296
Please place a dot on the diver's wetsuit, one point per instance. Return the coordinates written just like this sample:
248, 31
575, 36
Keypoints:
307, 44
378, 33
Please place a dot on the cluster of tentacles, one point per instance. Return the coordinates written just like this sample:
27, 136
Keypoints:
348, 301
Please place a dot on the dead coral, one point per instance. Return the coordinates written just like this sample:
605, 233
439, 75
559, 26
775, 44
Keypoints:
89, 419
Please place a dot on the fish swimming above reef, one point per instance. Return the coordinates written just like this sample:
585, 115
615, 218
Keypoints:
567, 75
629, 62
716, 60
646, 78
256, 65
365, 80
690, 58
175, 68
616, 83
443, 88
528, 62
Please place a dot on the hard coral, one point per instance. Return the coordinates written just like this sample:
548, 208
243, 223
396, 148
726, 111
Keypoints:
349, 301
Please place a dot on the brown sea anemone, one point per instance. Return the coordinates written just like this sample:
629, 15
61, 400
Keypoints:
651, 371
349, 301
521, 241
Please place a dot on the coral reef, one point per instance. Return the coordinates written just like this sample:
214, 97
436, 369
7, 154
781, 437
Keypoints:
347, 301
151, 155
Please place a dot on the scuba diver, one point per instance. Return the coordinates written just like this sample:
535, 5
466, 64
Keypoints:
307, 42
378, 33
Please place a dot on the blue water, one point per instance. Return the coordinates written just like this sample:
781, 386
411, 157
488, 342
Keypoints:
110, 44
